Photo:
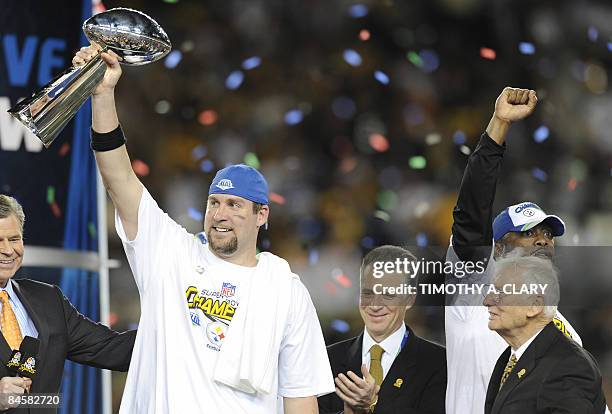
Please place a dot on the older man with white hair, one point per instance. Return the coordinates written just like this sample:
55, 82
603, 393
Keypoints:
542, 370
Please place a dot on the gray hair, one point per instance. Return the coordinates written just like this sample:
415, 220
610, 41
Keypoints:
535, 270
9, 206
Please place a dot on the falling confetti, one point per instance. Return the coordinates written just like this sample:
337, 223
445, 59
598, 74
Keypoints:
593, 33
421, 240
487, 53
250, 159
234, 80
418, 162
378, 142
207, 166
340, 326
382, 215
387, 200
465, 150
173, 59
277, 198
358, 10
414, 58
430, 60
367, 242
381, 77
351, 57
341, 278
50, 195
140, 168
313, 257
162, 107
571, 184
433, 139
526, 48
294, 117
207, 117
459, 137
541, 134
195, 214
266, 243
364, 35
251, 63
539, 174
56, 210
199, 152
64, 149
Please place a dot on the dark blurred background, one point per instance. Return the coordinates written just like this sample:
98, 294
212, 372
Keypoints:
361, 115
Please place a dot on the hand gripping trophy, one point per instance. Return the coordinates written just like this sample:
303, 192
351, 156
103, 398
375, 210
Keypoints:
135, 37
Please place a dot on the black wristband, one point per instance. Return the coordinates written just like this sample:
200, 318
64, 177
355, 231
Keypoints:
107, 141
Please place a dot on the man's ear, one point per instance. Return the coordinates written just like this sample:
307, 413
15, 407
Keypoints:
498, 250
537, 306
262, 215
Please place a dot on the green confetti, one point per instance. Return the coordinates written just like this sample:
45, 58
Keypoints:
414, 58
387, 200
92, 230
50, 194
417, 162
251, 160
171, 1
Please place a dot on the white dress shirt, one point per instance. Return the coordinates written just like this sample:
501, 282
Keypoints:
391, 345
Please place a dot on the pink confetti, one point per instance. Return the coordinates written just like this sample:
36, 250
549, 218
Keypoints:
344, 280
487, 53
364, 35
56, 210
571, 184
64, 149
140, 168
277, 198
378, 142
208, 117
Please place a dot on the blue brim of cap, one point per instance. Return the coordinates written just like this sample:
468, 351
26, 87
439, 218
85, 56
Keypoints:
556, 224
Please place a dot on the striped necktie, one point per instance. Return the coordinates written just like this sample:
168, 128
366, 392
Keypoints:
509, 367
10, 326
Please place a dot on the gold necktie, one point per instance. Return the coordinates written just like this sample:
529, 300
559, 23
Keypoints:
376, 369
509, 367
10, 326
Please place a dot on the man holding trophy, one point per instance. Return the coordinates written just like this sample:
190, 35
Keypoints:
222, 329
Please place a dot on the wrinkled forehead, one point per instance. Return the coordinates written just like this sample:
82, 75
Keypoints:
228, 197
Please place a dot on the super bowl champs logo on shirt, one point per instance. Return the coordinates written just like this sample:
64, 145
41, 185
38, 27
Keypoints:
218, 308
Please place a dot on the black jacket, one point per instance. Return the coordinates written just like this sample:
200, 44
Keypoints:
65, 334
473, 213
421, 366
554, 375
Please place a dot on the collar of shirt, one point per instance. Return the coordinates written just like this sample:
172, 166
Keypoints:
521, 349
9, 289
390, 344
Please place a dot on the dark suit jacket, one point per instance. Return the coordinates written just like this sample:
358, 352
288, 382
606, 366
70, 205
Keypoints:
421, 366
65, 334
559, 377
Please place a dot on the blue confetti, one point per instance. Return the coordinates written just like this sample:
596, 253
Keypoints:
207, 166
234, 80
343, 107
251, 63
610, 46
352, 58
367, 242
429, 60
541, 134
593, 34
294, 117
381, 77
358, 10
341, 326
313, 257
196, 214
539, 174
173, 59
199, 152
421, 240
459, 137
526, 48
265, 244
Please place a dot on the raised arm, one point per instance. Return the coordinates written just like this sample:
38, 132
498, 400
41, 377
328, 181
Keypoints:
473, 213
119, 179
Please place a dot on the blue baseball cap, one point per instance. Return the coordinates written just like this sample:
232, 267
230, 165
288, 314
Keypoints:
522, 217
242, 181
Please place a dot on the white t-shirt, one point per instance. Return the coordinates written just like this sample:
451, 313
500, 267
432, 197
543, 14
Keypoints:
188, 298
472, 349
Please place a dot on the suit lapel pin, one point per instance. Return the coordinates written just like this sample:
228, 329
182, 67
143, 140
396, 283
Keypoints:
521, 373
398, 383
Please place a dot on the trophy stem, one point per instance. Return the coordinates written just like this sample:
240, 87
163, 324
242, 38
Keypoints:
48, 111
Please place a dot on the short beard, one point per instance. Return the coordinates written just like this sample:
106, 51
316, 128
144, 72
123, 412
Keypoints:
226, 249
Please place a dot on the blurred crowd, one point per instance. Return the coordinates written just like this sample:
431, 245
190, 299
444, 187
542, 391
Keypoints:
361, 114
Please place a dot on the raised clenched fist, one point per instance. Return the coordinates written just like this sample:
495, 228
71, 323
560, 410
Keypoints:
514, 104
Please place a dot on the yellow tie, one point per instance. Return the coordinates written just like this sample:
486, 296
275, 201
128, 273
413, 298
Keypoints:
509, 367
10, 326
376, 369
